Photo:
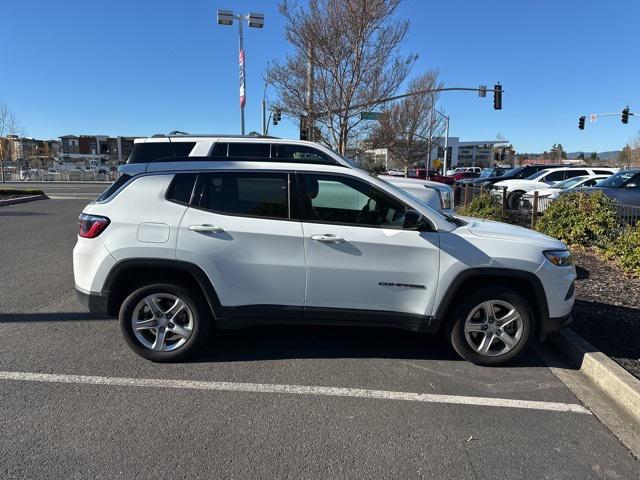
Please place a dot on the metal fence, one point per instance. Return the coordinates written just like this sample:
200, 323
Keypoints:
531, 207
71, 176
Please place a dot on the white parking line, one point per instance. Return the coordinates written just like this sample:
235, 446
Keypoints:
293, 390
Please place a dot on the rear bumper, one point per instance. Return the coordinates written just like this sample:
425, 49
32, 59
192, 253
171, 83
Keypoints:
95, 302
553, 324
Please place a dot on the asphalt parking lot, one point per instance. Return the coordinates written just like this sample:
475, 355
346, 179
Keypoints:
77, 403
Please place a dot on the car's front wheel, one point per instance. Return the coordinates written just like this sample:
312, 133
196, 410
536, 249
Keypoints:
491, 326
163, 322
513, 200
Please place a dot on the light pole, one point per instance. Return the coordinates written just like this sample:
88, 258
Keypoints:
255, 20
446, 142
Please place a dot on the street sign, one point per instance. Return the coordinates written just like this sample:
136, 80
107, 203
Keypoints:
370, 115
482, 91
593, 117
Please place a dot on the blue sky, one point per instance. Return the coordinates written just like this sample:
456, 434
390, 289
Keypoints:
141, 67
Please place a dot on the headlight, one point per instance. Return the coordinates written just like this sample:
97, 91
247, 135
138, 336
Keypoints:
561, 258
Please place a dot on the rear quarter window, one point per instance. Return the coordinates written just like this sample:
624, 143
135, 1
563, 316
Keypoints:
113, 188
181, 188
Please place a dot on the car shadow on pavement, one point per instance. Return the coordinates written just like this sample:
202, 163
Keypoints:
313, 342
50, 317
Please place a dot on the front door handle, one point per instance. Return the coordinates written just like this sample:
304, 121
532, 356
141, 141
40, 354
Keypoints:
327, 238
206, 228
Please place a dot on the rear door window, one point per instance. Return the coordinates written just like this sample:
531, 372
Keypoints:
575, 173
252, 194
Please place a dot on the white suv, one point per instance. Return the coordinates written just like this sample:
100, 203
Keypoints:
516, 188
180, 244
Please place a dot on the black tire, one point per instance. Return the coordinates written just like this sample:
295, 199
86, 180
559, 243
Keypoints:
458, 316
513, 200
200, 316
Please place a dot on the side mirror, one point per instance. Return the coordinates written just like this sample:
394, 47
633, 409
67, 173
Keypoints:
412, 220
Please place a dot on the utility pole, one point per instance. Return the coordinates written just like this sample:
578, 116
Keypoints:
256, 20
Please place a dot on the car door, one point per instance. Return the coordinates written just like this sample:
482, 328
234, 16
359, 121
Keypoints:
630, 193
239, 230
358, 255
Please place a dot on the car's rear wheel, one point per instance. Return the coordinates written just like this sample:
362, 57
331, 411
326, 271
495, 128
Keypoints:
492, 326
163, 322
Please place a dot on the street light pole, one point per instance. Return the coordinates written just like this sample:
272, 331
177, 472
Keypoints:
256, 20
264, 109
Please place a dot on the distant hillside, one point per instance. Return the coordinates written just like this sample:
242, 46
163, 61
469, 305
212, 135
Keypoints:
610, 155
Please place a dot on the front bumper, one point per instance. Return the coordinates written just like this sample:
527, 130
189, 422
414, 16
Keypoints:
553, 324
95, 302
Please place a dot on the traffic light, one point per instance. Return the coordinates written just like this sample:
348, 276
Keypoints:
497, 97
581, 123
304, 128
625, 115
277, 115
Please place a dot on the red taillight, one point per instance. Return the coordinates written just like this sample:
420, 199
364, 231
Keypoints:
91, 225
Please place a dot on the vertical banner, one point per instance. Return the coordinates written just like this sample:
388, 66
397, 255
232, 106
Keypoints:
241, 64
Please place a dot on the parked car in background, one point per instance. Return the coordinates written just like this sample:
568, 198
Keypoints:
462, 175
516, 188
394, 172
515, 173
452, 172
489, 172
549, 194
623, 187
435, 194
432, 175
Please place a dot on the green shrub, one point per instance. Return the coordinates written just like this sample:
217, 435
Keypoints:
484, 206
625, 249
580, 219
24, 191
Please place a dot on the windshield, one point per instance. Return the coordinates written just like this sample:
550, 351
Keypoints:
537, 175
570, 182
512, 172
618, 180
404, 192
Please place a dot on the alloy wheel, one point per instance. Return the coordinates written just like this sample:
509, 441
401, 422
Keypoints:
493, 328
162, 322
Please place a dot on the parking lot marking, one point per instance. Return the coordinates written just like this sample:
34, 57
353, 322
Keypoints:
293, 390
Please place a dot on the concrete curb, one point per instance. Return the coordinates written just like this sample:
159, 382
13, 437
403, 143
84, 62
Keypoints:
618, 384
15, 201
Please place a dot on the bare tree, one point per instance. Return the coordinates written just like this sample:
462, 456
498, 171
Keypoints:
8, 126
406, 128
346, 55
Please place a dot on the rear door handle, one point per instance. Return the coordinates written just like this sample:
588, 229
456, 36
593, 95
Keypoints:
327, 238
206, 228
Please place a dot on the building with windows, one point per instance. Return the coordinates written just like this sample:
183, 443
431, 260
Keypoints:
69, 145
477, 153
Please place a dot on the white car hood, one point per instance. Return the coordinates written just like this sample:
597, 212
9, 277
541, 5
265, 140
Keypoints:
504, 231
